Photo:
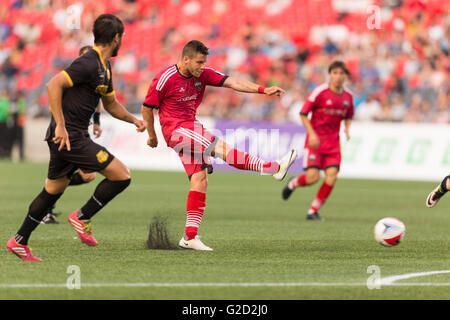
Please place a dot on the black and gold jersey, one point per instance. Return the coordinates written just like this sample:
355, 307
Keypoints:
90, 78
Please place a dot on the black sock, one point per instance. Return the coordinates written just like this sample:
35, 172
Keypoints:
36, 212
105, 192
76, 179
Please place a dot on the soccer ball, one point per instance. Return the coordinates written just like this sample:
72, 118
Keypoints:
389, 232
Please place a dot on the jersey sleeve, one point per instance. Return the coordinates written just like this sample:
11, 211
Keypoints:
154, 96
110, 90
80, 71
214, 78
309, 104
351, 109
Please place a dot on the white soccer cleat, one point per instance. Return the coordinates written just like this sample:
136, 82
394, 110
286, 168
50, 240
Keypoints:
194, 244
285, 163
433, 198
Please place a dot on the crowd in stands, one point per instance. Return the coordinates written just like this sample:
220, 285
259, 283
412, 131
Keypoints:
397, 53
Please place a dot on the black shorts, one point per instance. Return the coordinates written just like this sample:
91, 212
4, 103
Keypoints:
85, 154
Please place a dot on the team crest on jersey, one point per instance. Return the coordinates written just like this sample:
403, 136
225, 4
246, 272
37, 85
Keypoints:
198, 85
101, 89
329, 102
345, 103
102, 156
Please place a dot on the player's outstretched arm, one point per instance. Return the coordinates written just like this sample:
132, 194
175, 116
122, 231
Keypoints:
147, 114
55, 88
118, 111
243, 85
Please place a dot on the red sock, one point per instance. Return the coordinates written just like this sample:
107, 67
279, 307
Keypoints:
244, 161
300, 181
321, 197
195, 207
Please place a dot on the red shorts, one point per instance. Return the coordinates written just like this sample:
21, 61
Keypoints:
314, 159
194, 145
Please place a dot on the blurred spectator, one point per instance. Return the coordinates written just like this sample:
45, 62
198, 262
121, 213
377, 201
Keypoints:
18, 114
369, 110
398, 108
443, 109
5, 106
414, 109
385, 111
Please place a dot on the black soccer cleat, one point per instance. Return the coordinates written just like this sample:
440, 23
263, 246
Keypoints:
49, 219
314, 216
286, 193
434, 197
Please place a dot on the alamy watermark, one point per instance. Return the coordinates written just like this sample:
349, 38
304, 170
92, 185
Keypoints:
74, 280
73, 17
374, 281
374, 19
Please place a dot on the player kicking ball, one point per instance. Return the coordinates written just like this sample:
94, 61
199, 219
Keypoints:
329, 103
177, 91
438, 192
74, 96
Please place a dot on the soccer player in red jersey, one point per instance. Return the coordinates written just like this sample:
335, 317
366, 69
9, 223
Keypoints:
177, 91
329, 103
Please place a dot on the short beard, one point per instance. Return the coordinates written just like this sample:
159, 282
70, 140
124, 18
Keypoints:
115, 51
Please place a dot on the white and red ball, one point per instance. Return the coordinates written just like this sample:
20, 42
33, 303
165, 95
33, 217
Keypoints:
389, 231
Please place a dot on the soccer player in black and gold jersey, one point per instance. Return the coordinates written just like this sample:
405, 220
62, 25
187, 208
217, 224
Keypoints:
79, 177
73, 96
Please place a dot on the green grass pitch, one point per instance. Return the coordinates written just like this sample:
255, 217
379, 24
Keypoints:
257, 238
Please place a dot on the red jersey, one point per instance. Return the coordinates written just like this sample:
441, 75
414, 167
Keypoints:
177, 97
328, 110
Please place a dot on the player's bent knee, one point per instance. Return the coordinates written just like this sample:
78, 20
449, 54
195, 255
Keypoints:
116, 171
312, 178
56, 186
199, 182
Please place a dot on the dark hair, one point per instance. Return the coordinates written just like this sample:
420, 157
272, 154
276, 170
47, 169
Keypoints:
192, 47
340, 65
84, 49
106, 26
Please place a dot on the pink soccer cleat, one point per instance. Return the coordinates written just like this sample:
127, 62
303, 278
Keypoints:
20, 250
83, 228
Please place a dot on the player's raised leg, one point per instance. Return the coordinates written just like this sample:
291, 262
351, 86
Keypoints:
52, 191
438, 192
195, 208
117, 179
244, 161
323, 193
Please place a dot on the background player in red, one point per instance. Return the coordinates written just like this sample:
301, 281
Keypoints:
177, 91
330, 103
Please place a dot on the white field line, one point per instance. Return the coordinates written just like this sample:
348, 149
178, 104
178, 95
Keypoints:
386, 281
392, 279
